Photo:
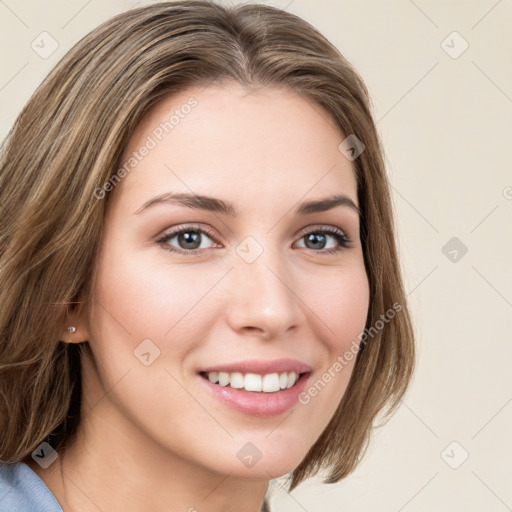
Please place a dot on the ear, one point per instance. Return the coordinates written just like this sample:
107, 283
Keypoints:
76, 328
72, 335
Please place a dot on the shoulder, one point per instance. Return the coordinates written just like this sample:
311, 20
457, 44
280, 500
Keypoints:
21, 490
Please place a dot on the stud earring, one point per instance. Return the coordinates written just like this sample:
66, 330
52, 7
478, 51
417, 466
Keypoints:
71, 329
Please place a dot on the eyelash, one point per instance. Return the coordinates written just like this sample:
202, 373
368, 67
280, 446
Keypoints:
342, 239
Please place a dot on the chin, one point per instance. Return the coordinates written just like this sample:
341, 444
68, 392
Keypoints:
253, 460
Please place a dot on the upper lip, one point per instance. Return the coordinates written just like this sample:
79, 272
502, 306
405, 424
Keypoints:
260, 366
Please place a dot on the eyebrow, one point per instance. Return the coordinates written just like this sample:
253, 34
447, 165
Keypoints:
212, 204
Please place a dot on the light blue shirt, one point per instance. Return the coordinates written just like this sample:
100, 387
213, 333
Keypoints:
21, 490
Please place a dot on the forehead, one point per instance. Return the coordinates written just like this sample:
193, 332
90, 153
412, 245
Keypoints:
228, 139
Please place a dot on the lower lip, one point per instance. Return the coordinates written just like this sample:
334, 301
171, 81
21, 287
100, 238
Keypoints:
256, 403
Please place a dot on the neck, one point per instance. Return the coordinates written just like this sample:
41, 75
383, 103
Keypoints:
118, 469
112, 464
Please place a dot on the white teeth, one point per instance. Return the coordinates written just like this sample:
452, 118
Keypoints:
252, 382
213, 377
268, 383
271, 383
223, 378
236, 380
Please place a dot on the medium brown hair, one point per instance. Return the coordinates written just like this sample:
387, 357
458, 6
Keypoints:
67, 142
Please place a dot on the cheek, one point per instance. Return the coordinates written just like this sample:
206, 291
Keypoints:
342, 306
141, 296
339, 308
138, 299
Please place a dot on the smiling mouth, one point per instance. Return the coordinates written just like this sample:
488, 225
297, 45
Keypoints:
253, 382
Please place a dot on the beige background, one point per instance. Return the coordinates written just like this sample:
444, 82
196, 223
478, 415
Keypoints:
446, 124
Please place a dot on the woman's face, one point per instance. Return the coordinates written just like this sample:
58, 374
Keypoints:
236, 273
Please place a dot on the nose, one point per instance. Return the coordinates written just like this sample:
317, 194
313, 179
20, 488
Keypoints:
264, 300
